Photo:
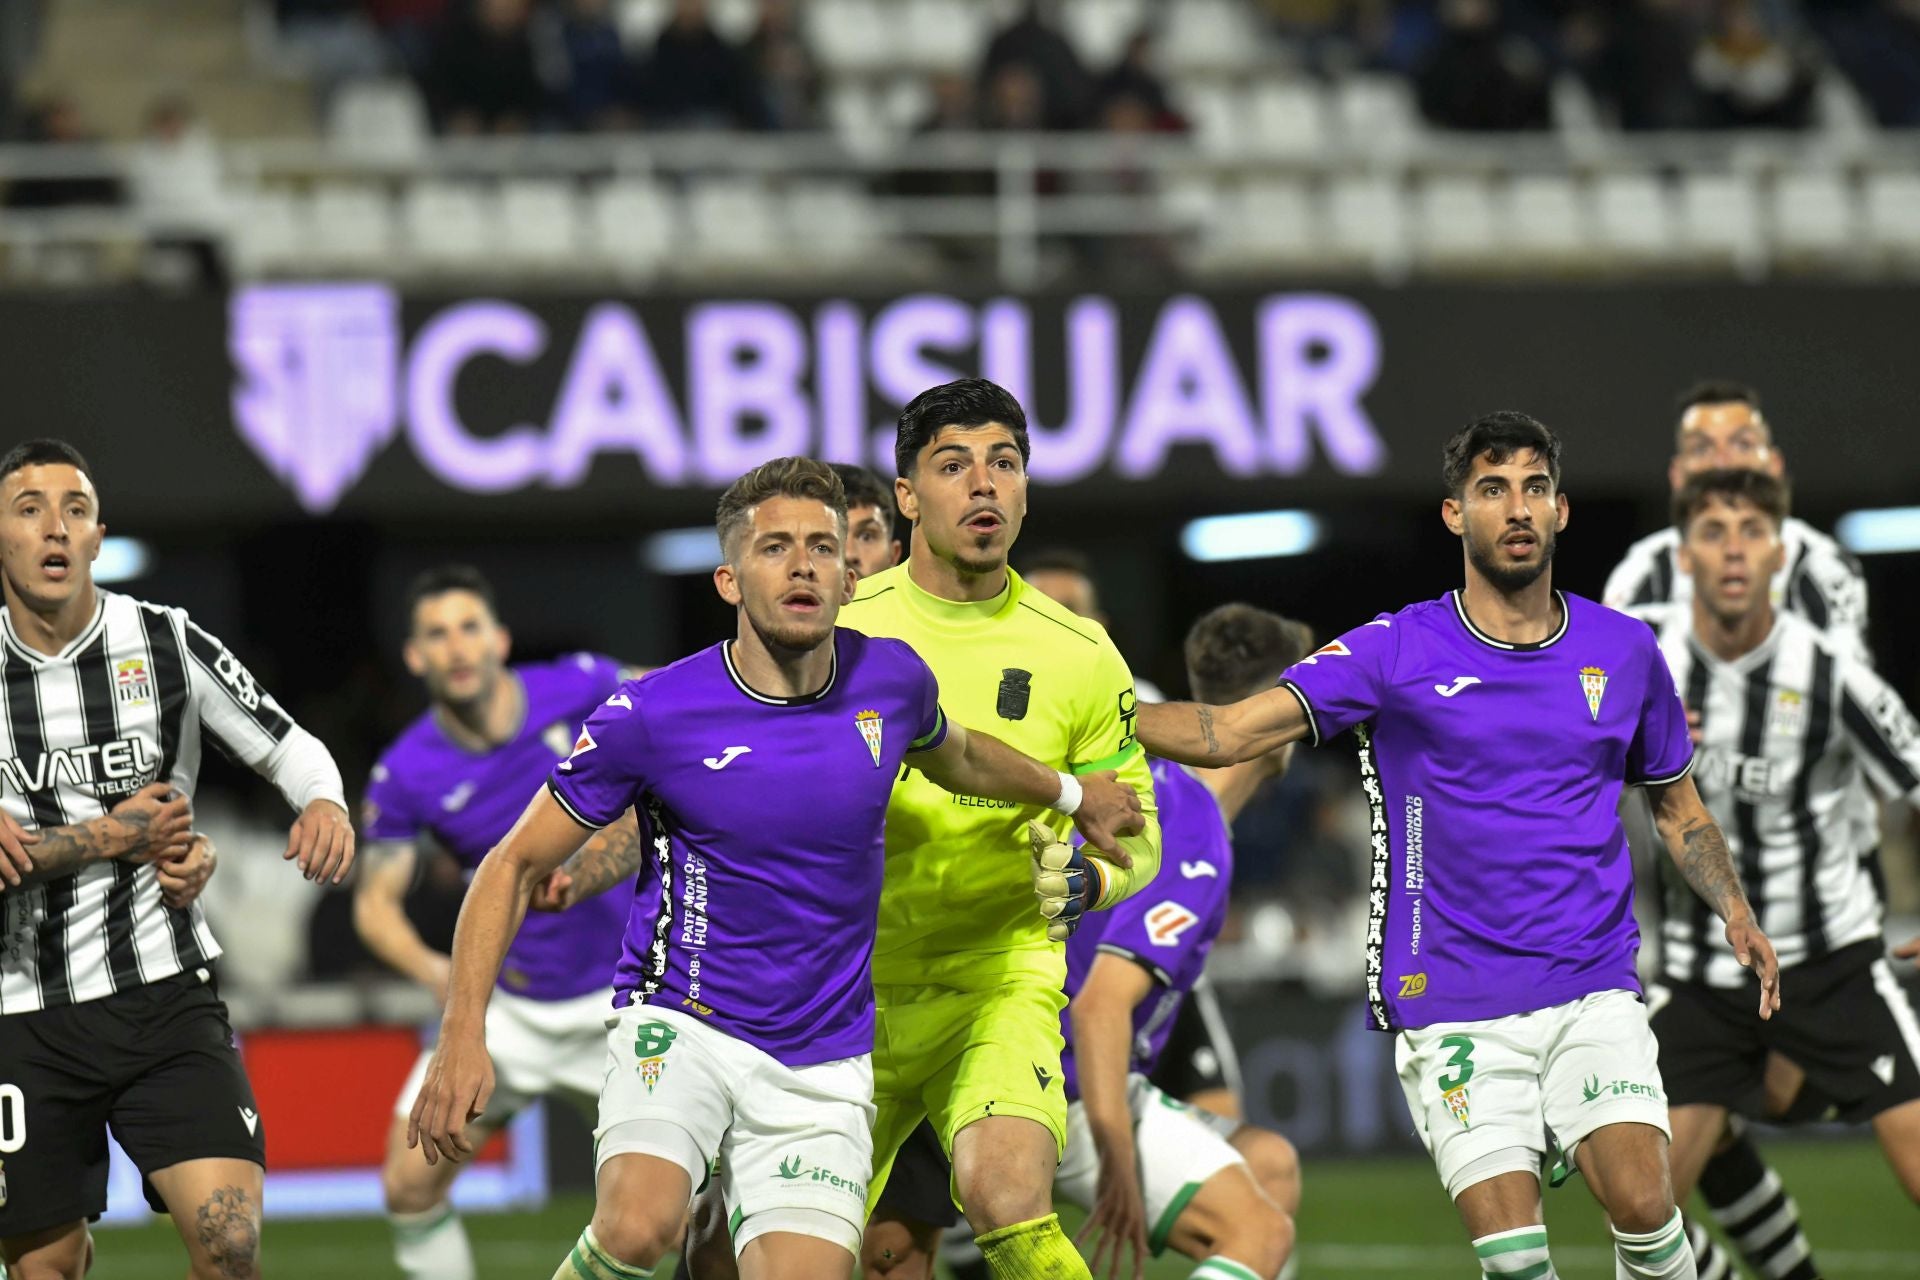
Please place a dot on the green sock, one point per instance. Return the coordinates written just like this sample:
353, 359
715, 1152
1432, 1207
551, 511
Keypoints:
1036, 1250
589, 1261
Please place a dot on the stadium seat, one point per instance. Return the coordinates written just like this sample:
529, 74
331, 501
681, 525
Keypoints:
1719, 214
632, 224
449, 224
640, 20
1377, 115
270, 233
834, 221
1633, 215
351, 226
942, 35
1545, 216
904, 104
1457, 219
1891, 211
1218, 113
1812, 213
1287, 118
1272, 220
853, 113
735, 19
1209, 35
1366, 219
851, 35
732, 222
379, 120
540, 221
1100, 29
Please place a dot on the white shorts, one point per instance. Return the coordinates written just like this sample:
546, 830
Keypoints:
1529, 1083
785, 1138
539, 1048
1179, 1147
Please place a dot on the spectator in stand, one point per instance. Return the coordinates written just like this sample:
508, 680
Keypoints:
1132, 89
598, 84
1032, 42
409, 28
1877, 44
783, 63
180, 191
1750, 73
1636, 57
483, 77
698, 80
58, 122
1016, 100
1481, 76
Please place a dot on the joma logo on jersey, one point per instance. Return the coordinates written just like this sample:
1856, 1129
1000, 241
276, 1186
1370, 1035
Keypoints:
120, 767
131, 682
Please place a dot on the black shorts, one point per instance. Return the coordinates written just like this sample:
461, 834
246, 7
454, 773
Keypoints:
155, 1063
1199, 1056
1840, 1020
920, 1189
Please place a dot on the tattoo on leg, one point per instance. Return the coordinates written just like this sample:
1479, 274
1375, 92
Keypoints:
1206, 727
229, 1232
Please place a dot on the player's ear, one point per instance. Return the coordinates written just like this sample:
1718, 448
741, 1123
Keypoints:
1561, 505
503, 645
1452, 516
1776, 558
727, 585
852, 582
99, 540
893, 557
905, 497
1683, 555
410, 654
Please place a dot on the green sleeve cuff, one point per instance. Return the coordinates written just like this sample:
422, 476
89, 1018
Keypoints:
1114, 761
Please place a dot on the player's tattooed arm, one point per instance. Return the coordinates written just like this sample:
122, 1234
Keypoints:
611, 856
1209, 737
155, 822
1699, 849
380, 914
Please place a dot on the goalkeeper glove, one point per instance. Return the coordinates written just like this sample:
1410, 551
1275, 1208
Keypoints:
1064, 880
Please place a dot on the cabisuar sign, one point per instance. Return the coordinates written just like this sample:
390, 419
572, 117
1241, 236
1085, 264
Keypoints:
330, 376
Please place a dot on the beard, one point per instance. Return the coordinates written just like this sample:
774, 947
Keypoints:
793, 636
1505, 575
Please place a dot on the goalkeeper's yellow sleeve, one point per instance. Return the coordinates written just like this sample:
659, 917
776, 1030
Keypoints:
1105, 739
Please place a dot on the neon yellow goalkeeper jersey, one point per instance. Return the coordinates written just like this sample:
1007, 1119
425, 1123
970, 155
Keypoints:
957, 905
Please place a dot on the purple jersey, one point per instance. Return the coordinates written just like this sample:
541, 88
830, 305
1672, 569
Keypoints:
1168, 927
765, 818
1501, 881
467, 800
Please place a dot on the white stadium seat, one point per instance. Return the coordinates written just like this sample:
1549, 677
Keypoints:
834, 221
1209, 35
733, 221
1720, 214
632, 224
1633, 215
1287, 118
1545, 216
1366, 218
1892, 211
1812, 213
851, 35
540, 221
1456, 218
1377, 115
270, 233
351, 225
1273, 219
1100, 29
379, 119
448, 223
942, 35
1217, 111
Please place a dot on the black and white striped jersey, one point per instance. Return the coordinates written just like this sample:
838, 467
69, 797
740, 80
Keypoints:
1789, 735
131, 701
1819, 580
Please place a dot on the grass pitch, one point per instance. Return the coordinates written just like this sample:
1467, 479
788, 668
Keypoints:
1361, 1218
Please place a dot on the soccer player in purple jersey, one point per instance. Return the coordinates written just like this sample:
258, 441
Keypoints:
1496, 727
459, 776
762, 767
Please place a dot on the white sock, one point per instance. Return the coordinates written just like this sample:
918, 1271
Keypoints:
432, 1245
1219, 1268
1657, 1255
1292, 1270
1520, 1254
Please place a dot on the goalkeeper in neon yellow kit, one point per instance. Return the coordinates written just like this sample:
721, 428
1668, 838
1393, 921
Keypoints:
967, 978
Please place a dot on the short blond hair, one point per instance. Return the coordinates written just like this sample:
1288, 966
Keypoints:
780, 478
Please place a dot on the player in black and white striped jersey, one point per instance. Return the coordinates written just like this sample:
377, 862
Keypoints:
107, 1011
1721, 425
1790, 724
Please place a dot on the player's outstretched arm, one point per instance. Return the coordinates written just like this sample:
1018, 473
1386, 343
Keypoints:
1102, 1016
460, 1078
610, 857
1208, 737
972, 763
380, 915
1699, 849
153, 824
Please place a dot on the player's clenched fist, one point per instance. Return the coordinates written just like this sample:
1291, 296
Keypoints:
1063, 880
458, 1085
1108, 809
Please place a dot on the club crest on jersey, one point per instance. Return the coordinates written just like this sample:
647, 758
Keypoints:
131, 683
581, 745
1788, 715
1593, 683
1016, 691
870, 724
651, 1043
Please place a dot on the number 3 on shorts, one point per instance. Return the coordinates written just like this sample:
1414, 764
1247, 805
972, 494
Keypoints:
1462, 1058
